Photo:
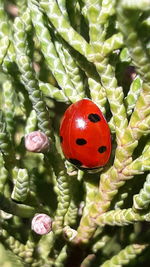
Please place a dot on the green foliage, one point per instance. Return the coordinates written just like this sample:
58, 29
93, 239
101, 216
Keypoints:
54, 53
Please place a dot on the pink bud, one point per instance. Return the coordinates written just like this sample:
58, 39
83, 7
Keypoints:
36, 142
41, 224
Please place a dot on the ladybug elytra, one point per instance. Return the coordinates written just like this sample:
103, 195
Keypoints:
85, 135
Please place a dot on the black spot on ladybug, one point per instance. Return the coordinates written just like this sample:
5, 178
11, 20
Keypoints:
94, 117
76, 162
61, 139
81, 141
102, 149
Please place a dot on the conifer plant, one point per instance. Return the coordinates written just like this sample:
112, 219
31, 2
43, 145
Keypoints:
54, 53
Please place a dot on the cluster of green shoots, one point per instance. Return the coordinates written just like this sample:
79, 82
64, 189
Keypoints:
54, 53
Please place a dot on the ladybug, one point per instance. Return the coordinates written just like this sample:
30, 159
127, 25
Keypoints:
85, 136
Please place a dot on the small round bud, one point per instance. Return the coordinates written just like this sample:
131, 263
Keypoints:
36, 142
41, 224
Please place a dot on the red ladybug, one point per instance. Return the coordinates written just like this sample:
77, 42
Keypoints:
85, 135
